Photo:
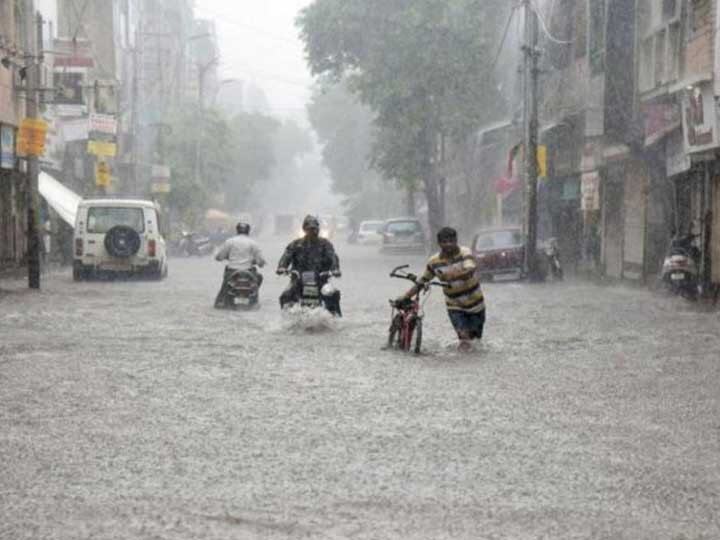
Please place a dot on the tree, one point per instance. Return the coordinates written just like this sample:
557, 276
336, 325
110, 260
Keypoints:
236, 153
421, 66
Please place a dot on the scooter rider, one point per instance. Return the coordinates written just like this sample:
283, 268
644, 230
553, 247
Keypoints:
310, 254
242, 253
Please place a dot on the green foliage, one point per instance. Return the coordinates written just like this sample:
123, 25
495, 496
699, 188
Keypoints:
216, 160
420, 65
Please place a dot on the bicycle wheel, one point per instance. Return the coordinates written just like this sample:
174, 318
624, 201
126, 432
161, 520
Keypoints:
394, 332
406, 334
418, 335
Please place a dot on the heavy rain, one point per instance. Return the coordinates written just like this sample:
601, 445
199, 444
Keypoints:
428, 269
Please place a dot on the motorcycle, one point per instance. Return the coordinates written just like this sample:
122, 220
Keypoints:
194, 245
315, 290
680, 269
242, 289
552, 256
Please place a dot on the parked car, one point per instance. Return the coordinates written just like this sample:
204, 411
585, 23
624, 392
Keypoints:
369, 233
403, 235
500, 253
118, 237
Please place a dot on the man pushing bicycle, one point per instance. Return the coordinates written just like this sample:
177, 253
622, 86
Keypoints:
455, 265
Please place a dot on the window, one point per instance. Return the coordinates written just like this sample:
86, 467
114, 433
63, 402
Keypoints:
101, 219
403, 227
661, 41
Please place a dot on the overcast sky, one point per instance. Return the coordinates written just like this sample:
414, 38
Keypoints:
259, 43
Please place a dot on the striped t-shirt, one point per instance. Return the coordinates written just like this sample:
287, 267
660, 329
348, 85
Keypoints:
463, 293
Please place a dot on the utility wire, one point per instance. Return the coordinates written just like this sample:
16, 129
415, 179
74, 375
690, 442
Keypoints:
544, 27
502, 41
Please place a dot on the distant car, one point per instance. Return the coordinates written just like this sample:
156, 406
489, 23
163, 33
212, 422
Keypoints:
118, 236
369, 233
403, 235
500, 253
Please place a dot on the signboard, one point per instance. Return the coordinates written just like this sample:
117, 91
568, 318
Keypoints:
102, 134
542, 160
7, 147
74, 130
590, 191
102, 174
31, 137
699, 117
102, 148
160, 177
102, 123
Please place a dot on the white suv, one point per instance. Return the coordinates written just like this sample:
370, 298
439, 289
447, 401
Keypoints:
118, 236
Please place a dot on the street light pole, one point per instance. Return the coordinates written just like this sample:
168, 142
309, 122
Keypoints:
530, 73
33, 170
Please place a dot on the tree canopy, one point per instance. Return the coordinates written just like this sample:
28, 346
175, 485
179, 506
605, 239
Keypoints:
420, 65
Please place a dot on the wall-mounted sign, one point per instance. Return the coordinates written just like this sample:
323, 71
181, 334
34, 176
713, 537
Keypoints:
102, 174
699, 117
590, 191
7, 147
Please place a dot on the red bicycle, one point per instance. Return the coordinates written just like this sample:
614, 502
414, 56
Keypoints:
406, 317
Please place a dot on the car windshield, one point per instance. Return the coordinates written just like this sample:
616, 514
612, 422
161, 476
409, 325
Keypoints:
498, 239
102, 218
403, 227
371, 227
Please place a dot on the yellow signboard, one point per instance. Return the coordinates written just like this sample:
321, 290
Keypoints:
101, 148
542, 160
31, 137
102, 174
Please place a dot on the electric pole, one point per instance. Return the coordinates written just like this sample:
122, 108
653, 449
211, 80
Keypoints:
530, 74
33, 38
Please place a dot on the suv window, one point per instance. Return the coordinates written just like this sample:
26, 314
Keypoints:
101, 219
403, 227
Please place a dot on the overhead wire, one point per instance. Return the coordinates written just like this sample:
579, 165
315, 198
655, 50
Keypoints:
504, 37
543, 25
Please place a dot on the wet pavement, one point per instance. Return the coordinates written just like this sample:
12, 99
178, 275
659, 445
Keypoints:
135, 410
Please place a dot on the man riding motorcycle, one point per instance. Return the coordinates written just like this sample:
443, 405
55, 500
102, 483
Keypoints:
310, 254
242, 253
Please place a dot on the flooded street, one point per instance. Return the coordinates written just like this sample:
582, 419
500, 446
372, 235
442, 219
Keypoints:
136, 410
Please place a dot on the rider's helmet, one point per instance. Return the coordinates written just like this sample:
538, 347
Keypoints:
242, 228
311, 222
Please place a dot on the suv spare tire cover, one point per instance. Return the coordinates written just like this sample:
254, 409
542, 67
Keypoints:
122, 241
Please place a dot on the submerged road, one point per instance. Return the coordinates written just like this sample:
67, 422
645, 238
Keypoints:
134, 410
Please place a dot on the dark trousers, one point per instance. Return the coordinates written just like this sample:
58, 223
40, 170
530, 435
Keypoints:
222, 294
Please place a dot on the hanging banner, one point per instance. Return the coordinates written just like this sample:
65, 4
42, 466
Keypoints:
7, 147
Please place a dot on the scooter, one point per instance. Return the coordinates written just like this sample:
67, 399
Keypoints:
195, 245
680, 269
242, 290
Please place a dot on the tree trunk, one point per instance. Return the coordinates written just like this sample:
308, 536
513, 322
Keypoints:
410, 201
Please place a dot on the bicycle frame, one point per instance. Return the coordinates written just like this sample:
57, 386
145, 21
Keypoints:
406, 318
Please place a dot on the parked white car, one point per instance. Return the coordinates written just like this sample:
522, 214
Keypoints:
118, 237
369, 233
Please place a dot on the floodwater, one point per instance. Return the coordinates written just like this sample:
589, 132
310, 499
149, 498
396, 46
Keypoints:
135, 410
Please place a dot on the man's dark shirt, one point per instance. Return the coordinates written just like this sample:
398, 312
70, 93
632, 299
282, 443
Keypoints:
305, 255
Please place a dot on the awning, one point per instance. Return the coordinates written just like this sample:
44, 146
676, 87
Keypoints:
63, 200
